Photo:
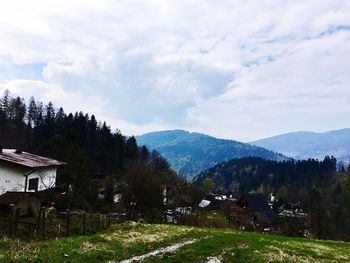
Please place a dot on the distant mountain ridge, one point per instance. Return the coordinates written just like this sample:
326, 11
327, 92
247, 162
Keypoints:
190, 153
303, 145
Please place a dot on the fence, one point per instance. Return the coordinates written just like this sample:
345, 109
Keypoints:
52, 224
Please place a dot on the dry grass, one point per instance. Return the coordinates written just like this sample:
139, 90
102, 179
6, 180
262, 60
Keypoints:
212, 245
140, 233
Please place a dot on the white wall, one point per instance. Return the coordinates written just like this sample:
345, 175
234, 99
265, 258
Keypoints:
47, 178
12, 178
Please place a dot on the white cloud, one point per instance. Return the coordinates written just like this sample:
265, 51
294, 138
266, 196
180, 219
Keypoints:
43, 91
233, 69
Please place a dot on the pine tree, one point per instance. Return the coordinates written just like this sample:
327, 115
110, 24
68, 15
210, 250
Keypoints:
32, 111
5, 101
131, 149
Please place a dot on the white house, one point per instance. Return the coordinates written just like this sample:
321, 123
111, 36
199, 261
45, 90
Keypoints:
26, 172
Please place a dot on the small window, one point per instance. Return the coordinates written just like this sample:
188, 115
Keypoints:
33, 184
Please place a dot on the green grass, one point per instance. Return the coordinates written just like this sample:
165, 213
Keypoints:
129, 239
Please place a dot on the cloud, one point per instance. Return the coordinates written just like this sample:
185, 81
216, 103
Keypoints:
233, 69
42, 91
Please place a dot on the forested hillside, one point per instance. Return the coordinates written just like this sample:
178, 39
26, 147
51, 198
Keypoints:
256, 174
89, 148
315, 186
190, 153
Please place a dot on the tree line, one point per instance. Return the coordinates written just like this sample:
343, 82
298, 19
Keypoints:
90, 149
317, 186
254, 173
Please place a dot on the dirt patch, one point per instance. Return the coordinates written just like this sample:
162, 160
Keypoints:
140, 233
87, 246
158, 252
214, 259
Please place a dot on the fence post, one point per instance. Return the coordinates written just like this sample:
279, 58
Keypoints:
44, 222
29, 230
99, 223
37, 226
67, 222
59, 230
109, 220
84, 223
12, 221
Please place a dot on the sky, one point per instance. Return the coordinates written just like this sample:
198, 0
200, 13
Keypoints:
239, 70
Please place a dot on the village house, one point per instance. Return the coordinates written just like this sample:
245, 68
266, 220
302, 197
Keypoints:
26, 172
252, 210
284, 212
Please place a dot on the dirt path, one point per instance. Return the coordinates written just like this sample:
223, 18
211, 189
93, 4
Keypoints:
158, 252
213, 260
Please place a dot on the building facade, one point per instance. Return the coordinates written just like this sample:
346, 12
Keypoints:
26, 172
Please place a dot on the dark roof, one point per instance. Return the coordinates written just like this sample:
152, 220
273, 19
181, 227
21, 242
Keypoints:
222, 192
9, 198
27, 159
221, 204
258, 205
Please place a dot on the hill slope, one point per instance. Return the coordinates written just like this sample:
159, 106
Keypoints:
303, 145
191, 153
253, 173
188, 244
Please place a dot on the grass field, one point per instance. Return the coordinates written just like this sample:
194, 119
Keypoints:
130, 239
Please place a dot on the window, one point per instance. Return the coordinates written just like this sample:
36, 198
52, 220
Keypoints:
33, 184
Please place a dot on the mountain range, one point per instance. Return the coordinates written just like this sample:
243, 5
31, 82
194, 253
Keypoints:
190, 153
304, 145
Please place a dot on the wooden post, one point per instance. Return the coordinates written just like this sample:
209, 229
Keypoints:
67, 222
84, 223
44, 222
29, 229
12, 221
38, 222
59, 230
109, 220
99, 223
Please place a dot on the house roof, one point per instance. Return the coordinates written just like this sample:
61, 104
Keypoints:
222, 192
204, 203
258, 205
27, 159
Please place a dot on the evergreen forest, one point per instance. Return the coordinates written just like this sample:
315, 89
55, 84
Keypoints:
91, 150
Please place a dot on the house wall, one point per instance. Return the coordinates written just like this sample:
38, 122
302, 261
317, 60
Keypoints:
47, 177
12, 178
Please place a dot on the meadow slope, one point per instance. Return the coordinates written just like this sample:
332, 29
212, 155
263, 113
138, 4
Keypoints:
174, 244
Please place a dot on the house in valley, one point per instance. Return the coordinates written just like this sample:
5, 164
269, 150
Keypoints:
26, 172
258, 205
251, 210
